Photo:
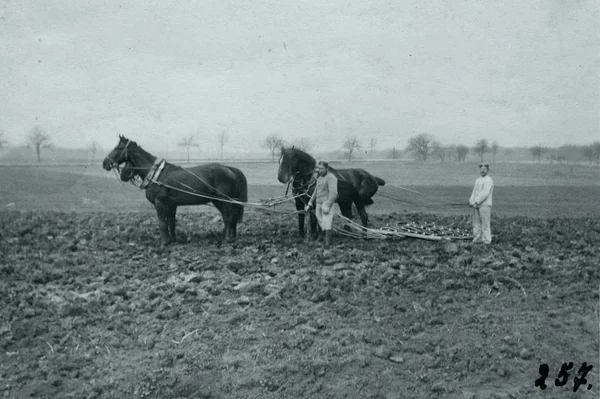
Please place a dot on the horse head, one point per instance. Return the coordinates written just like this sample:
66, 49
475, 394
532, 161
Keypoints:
118, 155
294, 163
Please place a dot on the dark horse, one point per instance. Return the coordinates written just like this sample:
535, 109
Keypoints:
354, 185
169, 186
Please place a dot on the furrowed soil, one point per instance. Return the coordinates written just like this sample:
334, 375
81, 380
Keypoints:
93, 307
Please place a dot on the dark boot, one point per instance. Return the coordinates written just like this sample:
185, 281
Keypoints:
327, 237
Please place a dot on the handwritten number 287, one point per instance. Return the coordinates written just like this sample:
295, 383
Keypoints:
563, 376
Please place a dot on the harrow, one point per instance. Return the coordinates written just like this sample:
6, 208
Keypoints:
426, 231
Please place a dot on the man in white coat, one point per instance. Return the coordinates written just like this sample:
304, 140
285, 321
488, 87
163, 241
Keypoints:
325, 195
481, 202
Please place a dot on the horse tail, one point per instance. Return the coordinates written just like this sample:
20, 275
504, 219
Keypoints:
368, 187
242, 192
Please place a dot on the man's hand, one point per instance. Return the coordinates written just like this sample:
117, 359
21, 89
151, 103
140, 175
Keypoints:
307, 207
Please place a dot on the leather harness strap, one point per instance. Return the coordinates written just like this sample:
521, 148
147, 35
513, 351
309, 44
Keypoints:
154, 173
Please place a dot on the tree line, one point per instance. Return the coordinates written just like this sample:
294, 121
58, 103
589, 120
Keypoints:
423, 147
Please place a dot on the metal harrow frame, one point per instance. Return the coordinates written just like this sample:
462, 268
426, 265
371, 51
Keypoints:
426, 231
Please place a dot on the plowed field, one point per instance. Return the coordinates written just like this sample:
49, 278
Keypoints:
93, 308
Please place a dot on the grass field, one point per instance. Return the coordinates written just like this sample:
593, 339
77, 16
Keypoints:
520, 189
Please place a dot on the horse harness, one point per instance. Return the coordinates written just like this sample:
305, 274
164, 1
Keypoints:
154, 173
302, 188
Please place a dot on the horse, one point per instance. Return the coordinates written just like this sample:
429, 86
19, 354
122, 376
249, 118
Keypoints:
168, 186
354, 185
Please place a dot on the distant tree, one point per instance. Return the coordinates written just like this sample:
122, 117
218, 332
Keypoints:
93, 147
552, 155
372, 144
222, 139
303, 144
537, 151
481, 147
350, 145
394, 153
188, 143
272, 143
451, 151
461, 151
438, 150
588, 153
494, 150
420, 145
596, 150
39, 141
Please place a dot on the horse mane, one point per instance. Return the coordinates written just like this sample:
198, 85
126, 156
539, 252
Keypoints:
299, 155
124, 140
336, 173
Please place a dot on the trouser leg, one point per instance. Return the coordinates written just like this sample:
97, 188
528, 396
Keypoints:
476, 222
327, 220
485, 213
319, 214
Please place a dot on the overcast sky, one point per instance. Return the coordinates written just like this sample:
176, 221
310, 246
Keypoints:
519, 72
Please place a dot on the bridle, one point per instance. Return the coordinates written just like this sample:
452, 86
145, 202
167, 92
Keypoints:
114, 164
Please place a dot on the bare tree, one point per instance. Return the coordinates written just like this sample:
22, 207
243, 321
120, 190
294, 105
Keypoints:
394, 153
93, 147
438, 150
372, 144
537, 151
39, 141
303, 144
188, 143
420, 145
350, 145
494, 150
272, 143
481, 147
588, 153
461, 151
222, 138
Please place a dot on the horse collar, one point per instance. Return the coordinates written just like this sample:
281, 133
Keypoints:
155, 171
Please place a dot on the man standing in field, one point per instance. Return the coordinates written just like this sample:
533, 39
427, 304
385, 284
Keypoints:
324, 196
481, 202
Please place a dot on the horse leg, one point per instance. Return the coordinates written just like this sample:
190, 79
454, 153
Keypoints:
301, 216
364, 218
162, 212
229, 219
172, 219
314, 228
346, 209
